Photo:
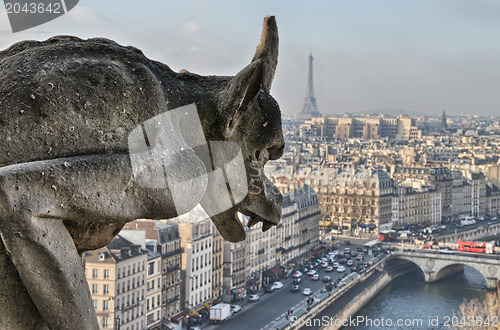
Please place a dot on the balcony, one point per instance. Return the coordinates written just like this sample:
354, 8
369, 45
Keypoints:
261, 251
173, 299
173, 268
172, 253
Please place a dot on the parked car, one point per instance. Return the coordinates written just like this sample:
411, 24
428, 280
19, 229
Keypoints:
254, 297
307, 292
268, 288
277, 285
315, 277
294, 288
341, 269
327, 279
297, 274
235, 308
347, 243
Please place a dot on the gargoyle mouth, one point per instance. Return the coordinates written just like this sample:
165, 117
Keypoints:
265, 208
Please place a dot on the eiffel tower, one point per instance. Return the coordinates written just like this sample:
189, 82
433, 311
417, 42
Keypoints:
310, 107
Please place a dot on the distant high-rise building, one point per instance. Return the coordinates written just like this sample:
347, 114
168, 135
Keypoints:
444, 124
310, 106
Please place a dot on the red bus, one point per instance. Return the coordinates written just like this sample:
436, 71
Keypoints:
478, 247
387, 236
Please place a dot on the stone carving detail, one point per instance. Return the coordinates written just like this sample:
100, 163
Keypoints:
67, 107
430, 264
492, 270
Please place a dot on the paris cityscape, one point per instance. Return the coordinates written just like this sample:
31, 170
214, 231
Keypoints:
390, 171
357, 190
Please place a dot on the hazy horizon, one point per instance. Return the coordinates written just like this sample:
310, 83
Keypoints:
421, 56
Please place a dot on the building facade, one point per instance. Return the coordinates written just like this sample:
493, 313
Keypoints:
116, 275
196, 242
166, 238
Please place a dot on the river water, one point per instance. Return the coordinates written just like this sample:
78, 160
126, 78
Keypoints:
420, 305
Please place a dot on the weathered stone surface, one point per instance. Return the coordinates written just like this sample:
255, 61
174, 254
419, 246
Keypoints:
67, 107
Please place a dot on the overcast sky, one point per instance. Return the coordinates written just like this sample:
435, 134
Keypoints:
419, 55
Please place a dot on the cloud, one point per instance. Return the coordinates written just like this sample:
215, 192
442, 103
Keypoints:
191, 27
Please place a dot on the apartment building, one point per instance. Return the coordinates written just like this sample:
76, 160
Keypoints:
327, 128
234, 272
217, 264
260, 251
197, 245
116, 275
438, 177
166, 238
286, 230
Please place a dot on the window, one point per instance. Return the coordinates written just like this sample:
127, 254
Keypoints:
151, 268
94, 303
105, 305
105, 289
104, 321
95, 273
94, 288
106, 273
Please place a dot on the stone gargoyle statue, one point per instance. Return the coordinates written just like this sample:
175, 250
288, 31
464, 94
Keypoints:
71, 172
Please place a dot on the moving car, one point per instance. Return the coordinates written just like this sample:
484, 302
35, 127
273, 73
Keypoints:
296, 280
297, 274
307, 292
341, 269
359, 257
311, 272
235, 308
335, 264
294, 288
350, 263
315, 277
328, 269
277, 285
254, 297
327, 279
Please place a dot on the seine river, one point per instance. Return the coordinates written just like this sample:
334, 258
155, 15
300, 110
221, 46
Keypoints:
409, 298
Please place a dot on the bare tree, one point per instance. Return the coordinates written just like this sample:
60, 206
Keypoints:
478, 314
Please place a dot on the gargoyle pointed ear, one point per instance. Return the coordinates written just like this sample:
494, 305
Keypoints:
245, 86
267, 50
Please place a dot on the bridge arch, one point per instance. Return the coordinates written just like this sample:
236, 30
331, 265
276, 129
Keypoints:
437, 266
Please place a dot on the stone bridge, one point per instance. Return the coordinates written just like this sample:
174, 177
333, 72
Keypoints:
437, 266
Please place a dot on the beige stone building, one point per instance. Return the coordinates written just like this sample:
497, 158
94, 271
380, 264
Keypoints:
260, 252
234, 272
116, 275
415, 205
437, 177
196, 242
166, 238
327, 128
217, 264
350, 199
